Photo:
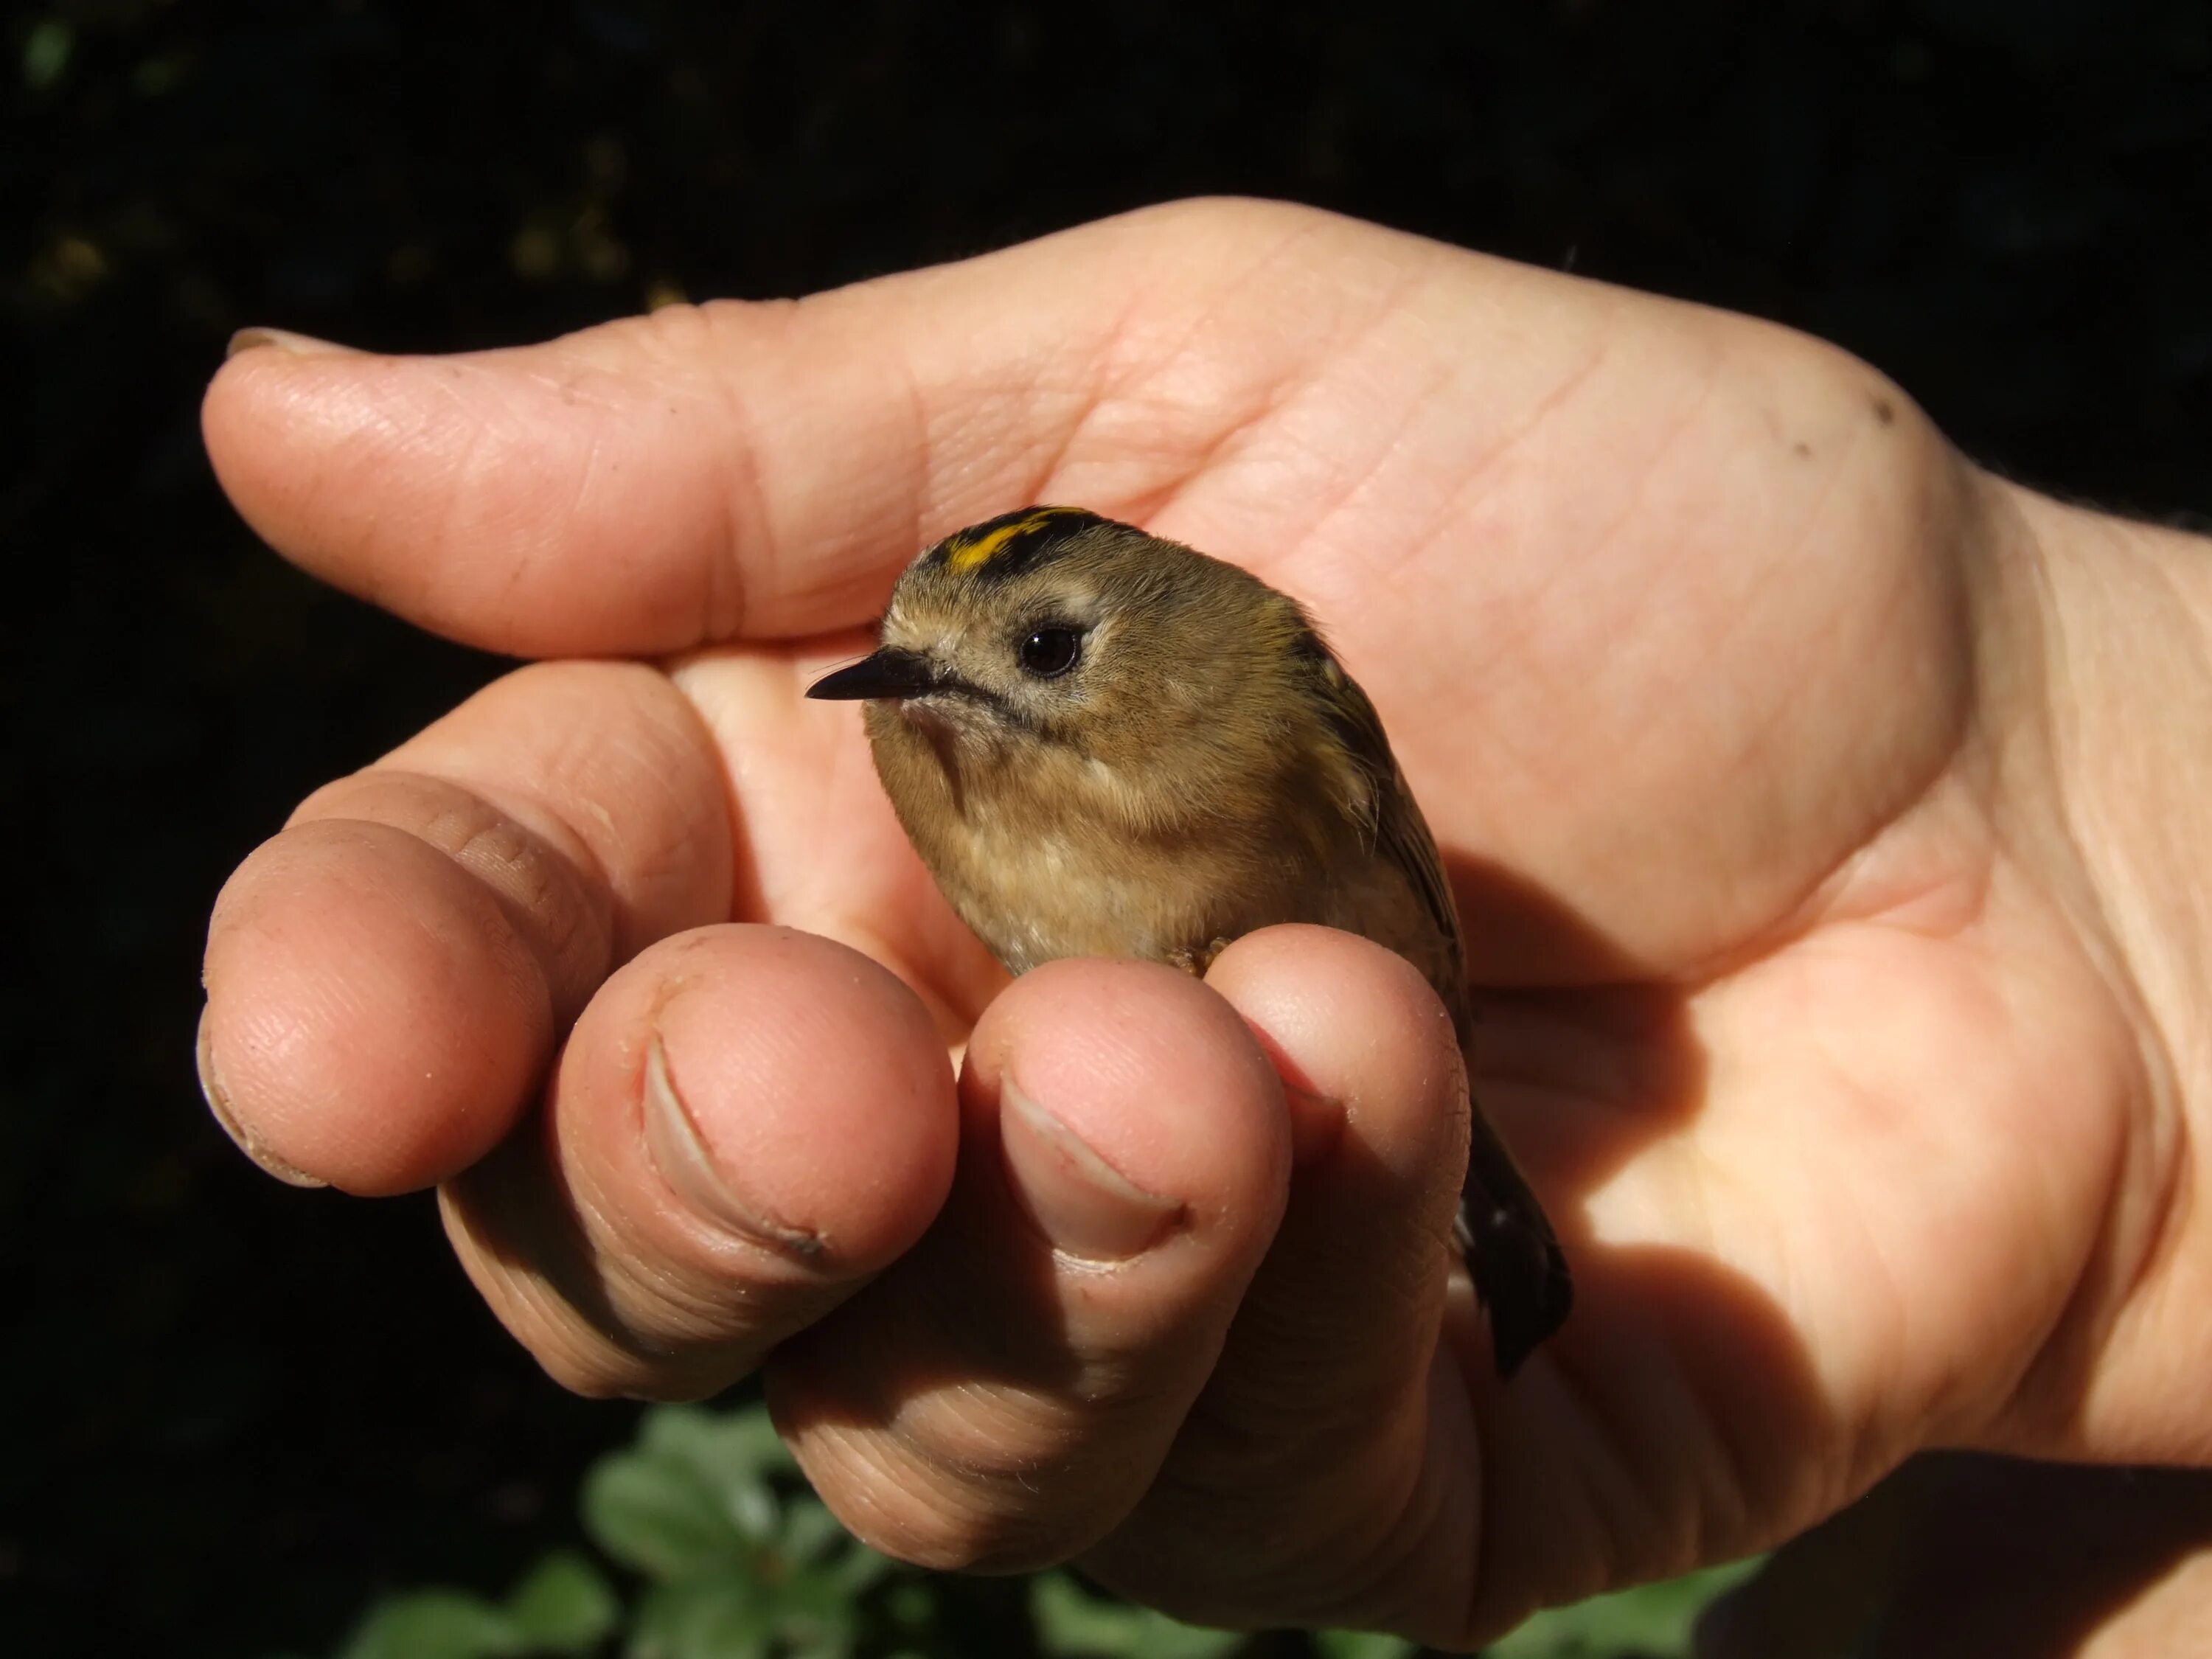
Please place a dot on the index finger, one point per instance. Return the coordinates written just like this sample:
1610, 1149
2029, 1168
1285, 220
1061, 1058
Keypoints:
387, 978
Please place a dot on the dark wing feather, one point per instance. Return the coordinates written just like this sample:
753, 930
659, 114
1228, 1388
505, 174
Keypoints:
1401, 834
1512, 1255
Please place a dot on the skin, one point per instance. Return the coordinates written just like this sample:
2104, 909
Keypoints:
1824, 816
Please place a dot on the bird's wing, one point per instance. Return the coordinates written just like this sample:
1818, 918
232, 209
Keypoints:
1375, 794
1512, 1254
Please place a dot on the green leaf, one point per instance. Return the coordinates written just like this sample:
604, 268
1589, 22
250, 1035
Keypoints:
911, 1606
433, 1624
691, 1492
564, 1605
1072, 1622
812, 1614
860, 1570
1362, 1645
712, 1619
46, 53
810, 1533
728, 1449
1652, 1620
661, 1520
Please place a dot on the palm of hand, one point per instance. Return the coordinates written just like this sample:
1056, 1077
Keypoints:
1671, 618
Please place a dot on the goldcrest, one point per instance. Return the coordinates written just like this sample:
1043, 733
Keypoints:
1103, 743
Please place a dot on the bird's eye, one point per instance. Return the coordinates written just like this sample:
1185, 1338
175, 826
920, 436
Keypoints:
1049, 653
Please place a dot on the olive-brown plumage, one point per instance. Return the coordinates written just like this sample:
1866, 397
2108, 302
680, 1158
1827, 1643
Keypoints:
1105, 743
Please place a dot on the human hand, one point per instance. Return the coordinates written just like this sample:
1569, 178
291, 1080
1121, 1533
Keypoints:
1835, 1036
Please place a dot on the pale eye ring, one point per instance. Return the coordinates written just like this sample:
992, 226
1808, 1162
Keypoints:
1050, 652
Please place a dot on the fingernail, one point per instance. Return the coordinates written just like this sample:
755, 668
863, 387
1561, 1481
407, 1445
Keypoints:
1080, 1201
243, 1138
299, 345
680, 1153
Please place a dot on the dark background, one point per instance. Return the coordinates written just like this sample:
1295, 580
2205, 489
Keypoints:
232, 1411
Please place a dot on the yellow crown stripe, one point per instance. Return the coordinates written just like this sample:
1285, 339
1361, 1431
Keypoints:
964, 556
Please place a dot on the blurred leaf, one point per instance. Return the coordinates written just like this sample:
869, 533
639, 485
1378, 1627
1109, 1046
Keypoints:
711, 1619
740, 1569
564, 1605
860, 1570
1362, 1645
810, 1533
911, 1604
1071, 1621
734, 1446
734, 1454
46, 53
660, 1520
692, 1497
813, 1617
434, 1623
1651, 1619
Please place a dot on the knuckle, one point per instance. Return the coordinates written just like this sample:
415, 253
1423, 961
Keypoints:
529, 1262
965, 1481
933, 1519
578, 1353
543, 889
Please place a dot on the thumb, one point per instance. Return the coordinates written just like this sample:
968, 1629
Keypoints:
733, 468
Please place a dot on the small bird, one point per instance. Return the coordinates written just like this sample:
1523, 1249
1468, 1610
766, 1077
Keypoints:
1105, 743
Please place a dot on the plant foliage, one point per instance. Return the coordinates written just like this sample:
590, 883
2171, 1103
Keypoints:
714, 1548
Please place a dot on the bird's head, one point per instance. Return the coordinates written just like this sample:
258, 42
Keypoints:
1054, 631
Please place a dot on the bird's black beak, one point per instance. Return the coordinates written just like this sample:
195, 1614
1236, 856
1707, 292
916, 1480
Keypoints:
890, 672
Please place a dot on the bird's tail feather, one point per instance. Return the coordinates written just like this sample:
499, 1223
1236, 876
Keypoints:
1513, 1255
